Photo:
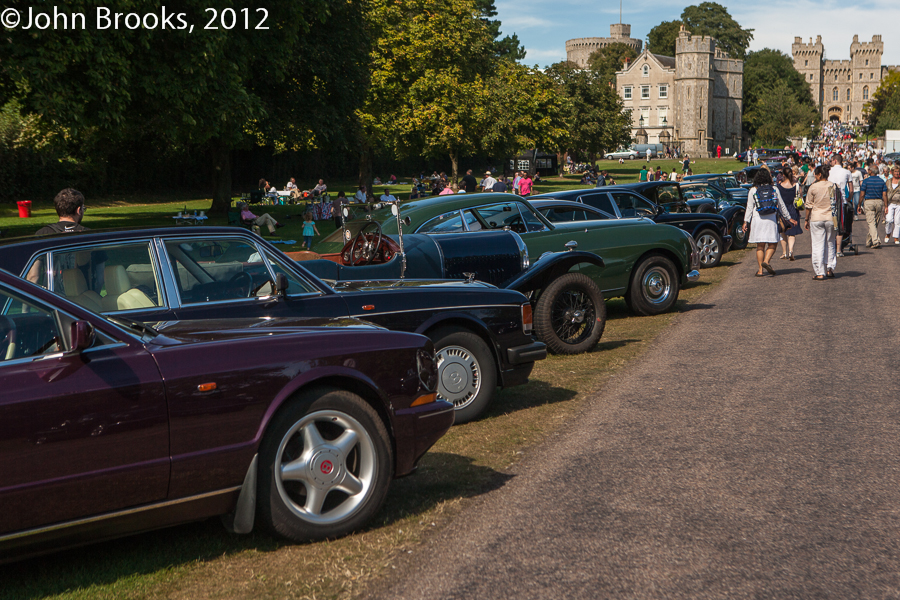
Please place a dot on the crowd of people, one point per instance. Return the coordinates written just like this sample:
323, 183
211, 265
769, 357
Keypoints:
835, 183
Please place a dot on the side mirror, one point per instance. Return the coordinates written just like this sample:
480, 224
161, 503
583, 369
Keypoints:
281, 284
82, 335
406, 221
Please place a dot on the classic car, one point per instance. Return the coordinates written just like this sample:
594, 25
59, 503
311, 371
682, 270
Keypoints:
623, 153
111, 426
661, 201
644, 263
727, 181
482, 335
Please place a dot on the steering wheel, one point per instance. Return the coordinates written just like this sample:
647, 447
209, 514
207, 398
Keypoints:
363, 250
8, 336
236, 283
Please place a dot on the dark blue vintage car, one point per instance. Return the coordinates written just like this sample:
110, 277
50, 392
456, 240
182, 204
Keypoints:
482, 335
110, 426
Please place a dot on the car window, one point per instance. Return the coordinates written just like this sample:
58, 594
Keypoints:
472, 222
670, 197
218, 270
450, 222
532, 222
601, 201
107, 278
27, 329
296, 284
565, 214
631, 206
503, 214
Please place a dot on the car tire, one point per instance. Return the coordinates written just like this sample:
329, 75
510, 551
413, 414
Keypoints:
654, 286
631, 157
570, 315
709, 244
608, 157
467, 372
706, 208
738, 235
326, 462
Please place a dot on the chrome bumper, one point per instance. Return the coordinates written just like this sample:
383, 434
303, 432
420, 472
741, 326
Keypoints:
693, 275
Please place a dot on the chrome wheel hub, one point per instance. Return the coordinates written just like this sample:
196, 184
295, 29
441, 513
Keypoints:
657, 286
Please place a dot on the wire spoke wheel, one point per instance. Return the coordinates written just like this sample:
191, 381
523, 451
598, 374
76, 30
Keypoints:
570, 314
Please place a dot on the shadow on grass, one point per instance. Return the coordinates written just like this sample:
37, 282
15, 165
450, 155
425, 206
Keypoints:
441, 477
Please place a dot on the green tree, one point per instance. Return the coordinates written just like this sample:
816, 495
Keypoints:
596, 119
661, 38
883, 110
709, 18
763, 70
509, 46
606, 61
205, 90
778, 114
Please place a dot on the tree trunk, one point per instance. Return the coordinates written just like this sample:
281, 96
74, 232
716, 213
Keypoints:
561, 161
454, 160
221, 158
365, 166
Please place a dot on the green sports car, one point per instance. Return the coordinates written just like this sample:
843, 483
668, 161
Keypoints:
645, 262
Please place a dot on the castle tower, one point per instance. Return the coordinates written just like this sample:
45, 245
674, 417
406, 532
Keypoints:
808, 60
694, 90
579, 50
865, 65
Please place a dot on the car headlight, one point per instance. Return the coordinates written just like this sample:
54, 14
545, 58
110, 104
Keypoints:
427, 366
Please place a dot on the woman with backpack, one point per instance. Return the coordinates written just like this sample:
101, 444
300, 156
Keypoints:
790, 192
763, 202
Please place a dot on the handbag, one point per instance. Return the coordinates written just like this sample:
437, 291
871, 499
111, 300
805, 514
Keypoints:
783, 224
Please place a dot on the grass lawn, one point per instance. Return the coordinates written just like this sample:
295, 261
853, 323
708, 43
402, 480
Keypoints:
148, 210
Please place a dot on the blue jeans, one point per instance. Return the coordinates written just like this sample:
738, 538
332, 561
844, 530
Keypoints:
308, 239
855, 201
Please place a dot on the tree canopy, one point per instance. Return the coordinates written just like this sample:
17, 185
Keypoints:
661, 38
606, 61
706, 18
764, 71
883, 111
596, 119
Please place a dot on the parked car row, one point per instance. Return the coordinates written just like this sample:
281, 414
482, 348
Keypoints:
166, 375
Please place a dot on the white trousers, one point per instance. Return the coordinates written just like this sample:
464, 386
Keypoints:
824, 253
892, 218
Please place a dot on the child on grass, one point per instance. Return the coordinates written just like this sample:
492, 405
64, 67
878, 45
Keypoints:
309, 228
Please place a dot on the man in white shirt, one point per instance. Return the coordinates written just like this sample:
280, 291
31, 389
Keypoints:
320, 189
856, 177
387, 197
291, 185
487, 184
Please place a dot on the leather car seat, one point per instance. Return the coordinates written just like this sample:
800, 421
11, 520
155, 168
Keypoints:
117, 283
75, 288
134, 298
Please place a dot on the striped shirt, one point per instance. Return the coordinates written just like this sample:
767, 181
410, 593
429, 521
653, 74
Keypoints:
873, 187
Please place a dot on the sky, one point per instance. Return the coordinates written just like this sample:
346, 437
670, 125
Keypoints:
543, 27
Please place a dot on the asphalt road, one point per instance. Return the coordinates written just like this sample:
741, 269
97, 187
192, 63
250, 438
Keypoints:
752, 452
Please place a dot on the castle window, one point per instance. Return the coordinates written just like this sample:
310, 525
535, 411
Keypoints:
867, 62
810, 76
848, 76
805, 63
848, 94
662, 113
646, 71
835, 76
626, 92
834, 95
645, 92
866, 93
860, 75
871, 75
664, 91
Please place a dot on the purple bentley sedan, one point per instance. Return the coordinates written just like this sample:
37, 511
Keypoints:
109, 426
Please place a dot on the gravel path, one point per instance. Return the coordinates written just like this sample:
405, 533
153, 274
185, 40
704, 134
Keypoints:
751, 453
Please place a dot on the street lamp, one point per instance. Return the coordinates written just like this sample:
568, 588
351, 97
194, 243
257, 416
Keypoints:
641, 135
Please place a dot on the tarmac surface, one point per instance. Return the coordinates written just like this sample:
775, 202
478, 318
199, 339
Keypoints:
752, 452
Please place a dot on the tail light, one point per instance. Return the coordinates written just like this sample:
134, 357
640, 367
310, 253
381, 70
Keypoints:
527, 318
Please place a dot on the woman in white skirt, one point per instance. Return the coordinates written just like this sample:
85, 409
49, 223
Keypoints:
764, 227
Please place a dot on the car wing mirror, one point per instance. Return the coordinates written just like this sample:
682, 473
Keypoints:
281, 284
82, 336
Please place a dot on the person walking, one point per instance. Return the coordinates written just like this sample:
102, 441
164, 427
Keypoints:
790, 191
820, 224
874, 199
893, 198
525, 185
309, 228
763, 202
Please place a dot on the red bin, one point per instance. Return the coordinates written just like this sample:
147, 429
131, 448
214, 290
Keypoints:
24, 209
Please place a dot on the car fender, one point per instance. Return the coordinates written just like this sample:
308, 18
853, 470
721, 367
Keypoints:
733, 212
548, 267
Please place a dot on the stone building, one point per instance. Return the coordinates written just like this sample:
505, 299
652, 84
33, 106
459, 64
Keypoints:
841, 88
579, 50
692, 100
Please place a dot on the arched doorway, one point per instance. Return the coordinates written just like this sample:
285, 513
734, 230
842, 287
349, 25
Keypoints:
835, 113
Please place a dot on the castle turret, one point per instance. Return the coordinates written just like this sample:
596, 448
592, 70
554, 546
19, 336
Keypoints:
694, 89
